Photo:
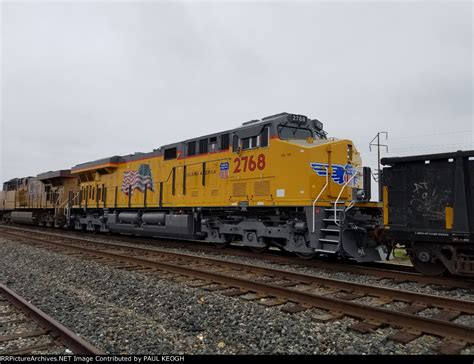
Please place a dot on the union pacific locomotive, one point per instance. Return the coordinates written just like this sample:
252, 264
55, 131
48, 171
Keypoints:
279, 181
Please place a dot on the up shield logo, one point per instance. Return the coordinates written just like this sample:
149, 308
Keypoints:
340, 174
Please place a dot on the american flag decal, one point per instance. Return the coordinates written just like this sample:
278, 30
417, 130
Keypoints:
140, 180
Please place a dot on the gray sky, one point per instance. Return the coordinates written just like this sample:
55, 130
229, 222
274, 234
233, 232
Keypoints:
86, 80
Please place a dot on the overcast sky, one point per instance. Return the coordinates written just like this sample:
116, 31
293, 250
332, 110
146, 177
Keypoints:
85, 80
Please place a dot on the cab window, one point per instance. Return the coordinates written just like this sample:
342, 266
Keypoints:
225, 141
170, 153
294, 132
250, 143
203, 146
264, 137
213, 143
191, 148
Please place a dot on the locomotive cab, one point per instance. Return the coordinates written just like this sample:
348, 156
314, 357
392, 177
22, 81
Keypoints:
315, 181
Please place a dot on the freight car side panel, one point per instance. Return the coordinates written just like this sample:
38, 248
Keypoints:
419, 194
430, 195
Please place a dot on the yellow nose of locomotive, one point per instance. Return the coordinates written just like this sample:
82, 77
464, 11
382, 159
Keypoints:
334, 169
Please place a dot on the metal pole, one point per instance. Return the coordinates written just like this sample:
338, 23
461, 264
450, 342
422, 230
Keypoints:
378, 152
379, 171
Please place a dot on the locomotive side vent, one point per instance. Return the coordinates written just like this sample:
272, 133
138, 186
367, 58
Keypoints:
239, 189
262, 188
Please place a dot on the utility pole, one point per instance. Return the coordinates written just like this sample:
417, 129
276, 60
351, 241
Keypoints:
378, 177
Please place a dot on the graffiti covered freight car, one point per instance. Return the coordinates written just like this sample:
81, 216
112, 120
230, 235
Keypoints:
429, 208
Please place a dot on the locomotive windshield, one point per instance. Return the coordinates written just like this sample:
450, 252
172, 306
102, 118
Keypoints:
294, 132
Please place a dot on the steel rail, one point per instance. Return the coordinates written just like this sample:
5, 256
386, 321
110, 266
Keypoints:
372, 269
423, 324
395, 294
67, 337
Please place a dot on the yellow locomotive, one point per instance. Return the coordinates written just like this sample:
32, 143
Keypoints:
277, 181
39, 200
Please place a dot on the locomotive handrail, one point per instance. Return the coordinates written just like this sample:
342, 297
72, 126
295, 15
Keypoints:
339, 196
63, 204
351, 205
69, 203
57, 203
319, 195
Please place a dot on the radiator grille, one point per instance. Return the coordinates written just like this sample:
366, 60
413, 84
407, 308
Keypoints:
262, 188
239, 189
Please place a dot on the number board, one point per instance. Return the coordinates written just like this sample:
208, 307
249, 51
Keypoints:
249, 163
298, 118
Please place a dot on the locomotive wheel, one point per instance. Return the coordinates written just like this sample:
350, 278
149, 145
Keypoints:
228, 240
424, 262
221, 245
262, 249
301, 241
258, 250
305, 256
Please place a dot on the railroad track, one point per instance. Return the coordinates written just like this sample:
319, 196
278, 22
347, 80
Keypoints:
396, 272
374, 306
25, 329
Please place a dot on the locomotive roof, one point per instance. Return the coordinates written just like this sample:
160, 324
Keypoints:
247, 129
63, 173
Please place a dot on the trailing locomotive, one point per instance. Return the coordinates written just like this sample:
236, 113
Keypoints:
39, 200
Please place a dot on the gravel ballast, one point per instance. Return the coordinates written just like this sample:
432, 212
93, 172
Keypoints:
127, 312
459, 293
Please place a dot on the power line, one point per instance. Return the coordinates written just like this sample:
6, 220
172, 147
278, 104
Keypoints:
433, 134
439, 146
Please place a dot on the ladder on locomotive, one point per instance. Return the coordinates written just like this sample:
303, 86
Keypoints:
330, 234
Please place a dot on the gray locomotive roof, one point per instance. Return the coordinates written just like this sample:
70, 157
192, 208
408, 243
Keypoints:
244, 131
113, 159
63, 173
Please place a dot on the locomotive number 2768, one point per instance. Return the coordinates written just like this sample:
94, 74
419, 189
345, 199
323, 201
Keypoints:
244, 163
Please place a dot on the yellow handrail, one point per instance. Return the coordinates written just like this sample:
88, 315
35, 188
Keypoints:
319, 195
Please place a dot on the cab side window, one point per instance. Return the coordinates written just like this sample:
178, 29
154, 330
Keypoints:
250, 143
264, 137
225, 141
191, 148
235, 143
213, 143
203, 146
170, 153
